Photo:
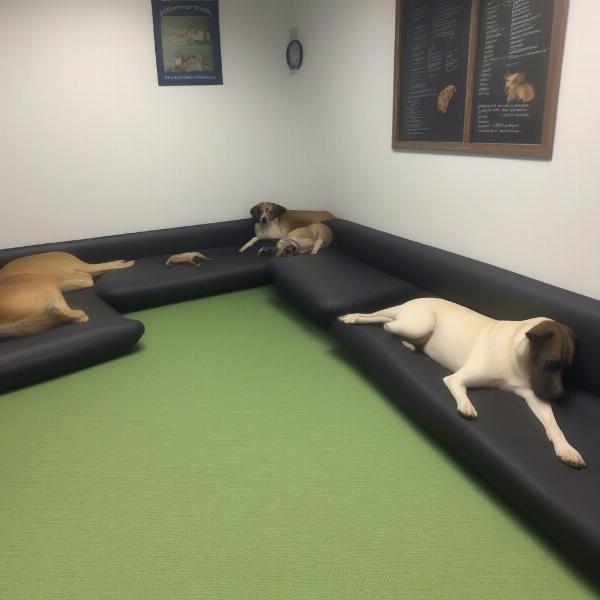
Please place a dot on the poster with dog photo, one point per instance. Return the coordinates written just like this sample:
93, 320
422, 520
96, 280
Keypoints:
187, 40
434, 61
512, 71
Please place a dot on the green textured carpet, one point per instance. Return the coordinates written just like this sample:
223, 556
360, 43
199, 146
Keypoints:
238, 455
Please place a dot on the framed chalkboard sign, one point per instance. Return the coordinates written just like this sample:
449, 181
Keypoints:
478, 76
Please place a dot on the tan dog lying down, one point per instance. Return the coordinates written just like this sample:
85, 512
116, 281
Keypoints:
275, 222
193, 258
31, 291
305, 240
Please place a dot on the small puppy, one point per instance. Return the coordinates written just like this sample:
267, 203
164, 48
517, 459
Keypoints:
194, 258
304, 240
273, 222
31, 288
524, 357
445, 97
517, 88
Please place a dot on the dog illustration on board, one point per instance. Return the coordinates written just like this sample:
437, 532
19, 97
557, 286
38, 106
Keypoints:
445, 97
517, 88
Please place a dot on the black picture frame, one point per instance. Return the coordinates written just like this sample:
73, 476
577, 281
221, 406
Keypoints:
187, 42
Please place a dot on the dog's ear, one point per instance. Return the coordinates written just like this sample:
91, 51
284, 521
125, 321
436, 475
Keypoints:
569, 339
508, 75
540, 334
255, 212
519, 77
278, 211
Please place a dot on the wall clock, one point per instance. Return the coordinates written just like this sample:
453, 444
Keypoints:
294, 55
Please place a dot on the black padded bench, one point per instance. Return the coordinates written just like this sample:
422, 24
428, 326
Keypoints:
363, 271
506, 445
149, 283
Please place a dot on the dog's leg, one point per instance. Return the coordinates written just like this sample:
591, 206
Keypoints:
381, 316
413, 324
249, 244
544, 413
317, 246
458, 384
468, 376
66, 313
99, 269
79, 281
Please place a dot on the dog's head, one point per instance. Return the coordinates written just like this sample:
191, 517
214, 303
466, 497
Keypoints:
511, 80
449, 91
287, 248
265, 212
552, 347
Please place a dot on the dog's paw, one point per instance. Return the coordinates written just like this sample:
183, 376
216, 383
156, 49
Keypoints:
570, 457
410, 347
349, 319
467, 411
267, 251
82, 317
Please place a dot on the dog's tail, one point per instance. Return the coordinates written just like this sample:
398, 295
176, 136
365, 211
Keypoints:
29, 325
101, 268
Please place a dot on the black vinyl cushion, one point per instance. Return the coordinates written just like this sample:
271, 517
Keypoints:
333, 283
506, 444
150, 283
68, 347
364, 271
146, 243
490, 290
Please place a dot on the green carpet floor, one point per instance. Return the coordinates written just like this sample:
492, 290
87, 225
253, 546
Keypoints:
238, 455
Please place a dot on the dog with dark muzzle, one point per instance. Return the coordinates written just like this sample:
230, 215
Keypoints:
274, 222
524, 357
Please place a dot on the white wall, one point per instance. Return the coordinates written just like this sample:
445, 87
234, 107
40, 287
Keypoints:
536, 218
91, 145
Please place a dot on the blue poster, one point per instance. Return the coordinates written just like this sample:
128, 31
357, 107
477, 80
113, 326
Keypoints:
188, 45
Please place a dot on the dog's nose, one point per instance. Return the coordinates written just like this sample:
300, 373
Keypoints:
263, 219
555, 394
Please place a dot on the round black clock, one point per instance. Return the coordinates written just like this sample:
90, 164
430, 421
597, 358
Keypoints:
294, 55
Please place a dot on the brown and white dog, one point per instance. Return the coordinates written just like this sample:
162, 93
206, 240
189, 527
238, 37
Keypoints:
305, 240
274, 222
517, 88
31, 291
524, 357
